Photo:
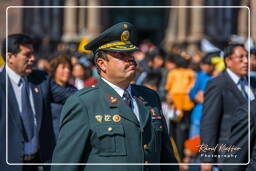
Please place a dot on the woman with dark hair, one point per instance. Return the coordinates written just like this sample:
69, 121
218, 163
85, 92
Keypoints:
60, 71
82, 76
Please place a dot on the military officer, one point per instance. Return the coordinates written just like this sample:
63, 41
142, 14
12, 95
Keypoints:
114, 121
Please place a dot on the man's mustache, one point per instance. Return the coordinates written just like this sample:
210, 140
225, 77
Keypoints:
131, 62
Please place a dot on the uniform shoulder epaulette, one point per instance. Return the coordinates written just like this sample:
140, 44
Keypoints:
87, 89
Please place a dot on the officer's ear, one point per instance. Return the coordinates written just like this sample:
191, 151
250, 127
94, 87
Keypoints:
10, 57
228, 62
101, 64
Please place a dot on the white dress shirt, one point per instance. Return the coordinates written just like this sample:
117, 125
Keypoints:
236, 79
79, 84
15, 82
120, 92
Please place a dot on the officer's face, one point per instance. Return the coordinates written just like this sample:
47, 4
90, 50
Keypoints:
120, 66
238, 61
22, 61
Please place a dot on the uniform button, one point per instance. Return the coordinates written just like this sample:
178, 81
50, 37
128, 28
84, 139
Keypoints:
110, 129
145, 146
160, 126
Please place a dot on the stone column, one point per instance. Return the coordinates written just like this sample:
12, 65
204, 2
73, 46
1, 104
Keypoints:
196, 24
82, 16
171, 31
182, 22
14, 19
243, 20
93, 24
196, 29
253, 19
69, 21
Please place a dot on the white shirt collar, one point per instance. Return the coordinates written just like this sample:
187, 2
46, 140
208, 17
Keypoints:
233, 76
13, 75
119, 90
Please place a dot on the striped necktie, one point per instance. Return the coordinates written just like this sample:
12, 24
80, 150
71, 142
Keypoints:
242, 82
127, 98
27, 112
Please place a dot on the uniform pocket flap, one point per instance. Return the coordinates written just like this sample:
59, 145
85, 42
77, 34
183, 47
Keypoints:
109, 130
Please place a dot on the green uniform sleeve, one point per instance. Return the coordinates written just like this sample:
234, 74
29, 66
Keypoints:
73, 136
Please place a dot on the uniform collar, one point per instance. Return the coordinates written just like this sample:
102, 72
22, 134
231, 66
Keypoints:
119, 90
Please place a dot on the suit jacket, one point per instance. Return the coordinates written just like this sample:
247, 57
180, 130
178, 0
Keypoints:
239, 138
222, 98
44, 92
97, 126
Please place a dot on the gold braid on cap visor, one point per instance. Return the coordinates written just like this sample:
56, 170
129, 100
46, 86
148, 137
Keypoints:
118, 45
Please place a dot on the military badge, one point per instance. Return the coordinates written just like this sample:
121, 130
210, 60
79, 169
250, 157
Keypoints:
99, 118
156, 117
141, 99
107, 118
117, 118
153, 112
111, 99
125, 35
125, 26
36, 90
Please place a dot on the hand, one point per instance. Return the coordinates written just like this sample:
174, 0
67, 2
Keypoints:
199, 97
168, 99
206, 167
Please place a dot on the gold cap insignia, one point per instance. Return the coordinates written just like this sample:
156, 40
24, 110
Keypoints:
125, 35
125, 26
99, 118
116, 118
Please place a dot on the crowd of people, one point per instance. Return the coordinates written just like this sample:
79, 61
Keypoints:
199, 93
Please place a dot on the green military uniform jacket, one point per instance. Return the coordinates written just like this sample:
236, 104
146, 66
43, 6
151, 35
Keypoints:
97, 126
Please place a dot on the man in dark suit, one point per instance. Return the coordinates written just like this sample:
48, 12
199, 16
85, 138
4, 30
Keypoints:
239, 138
224, 94
30, 137
114, 121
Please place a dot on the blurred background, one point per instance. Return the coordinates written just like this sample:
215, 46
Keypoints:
168, 27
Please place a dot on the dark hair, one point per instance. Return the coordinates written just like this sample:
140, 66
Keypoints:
170, 57
207, 58
153, 79
253, 51
56, 61
155, 53
229, 50
87, 70
99, 54
14, 43
181, 62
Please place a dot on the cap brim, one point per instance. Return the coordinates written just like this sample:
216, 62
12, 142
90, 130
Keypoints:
122, 48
